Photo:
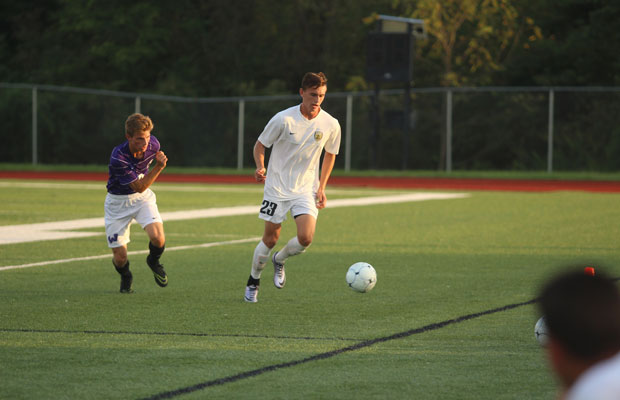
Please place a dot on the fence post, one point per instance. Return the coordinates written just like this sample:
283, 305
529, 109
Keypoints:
240, 133
35, 158
550, 133
347, 138
449, 130
138, 104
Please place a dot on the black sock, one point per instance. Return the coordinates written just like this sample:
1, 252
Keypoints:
252, 281
124, 270
155, 252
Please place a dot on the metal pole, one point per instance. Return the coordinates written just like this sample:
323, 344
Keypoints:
35, 159
407, 99
138, 104
449, 130
374, 136
347, 137
550, 133
240, 134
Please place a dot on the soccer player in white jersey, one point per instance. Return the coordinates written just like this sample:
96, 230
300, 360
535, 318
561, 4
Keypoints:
130, 197
297, 137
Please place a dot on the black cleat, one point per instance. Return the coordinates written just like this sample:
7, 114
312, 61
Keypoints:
127, 283
158, 271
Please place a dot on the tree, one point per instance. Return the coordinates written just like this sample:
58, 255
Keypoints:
581, 45
471, 38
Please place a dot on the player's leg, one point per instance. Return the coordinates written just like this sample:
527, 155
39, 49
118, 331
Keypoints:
306, 226
305, 212
117, 228
121, 264
147, 215
273, 212
271, 234
157, 244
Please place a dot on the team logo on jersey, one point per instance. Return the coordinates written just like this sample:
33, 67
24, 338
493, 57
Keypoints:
318, 135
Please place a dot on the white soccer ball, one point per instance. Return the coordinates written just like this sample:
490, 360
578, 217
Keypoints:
361, 277
540, 332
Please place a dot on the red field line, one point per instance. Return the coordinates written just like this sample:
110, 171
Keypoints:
525, 185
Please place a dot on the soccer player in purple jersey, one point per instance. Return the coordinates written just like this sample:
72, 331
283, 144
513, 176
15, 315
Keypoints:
129, 198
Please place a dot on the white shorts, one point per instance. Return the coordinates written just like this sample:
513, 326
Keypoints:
121, 210
275, 210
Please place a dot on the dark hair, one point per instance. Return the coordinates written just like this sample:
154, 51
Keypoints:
582, 312
312, 80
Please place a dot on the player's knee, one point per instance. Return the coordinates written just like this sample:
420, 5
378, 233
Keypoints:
120, 260
158, 240
271, 240
305, 239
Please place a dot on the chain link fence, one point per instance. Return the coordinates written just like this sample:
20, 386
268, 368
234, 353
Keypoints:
496, 128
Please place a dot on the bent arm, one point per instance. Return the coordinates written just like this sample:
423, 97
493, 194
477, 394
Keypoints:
141, 185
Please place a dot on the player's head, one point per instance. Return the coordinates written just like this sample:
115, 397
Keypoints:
312, 92
313, 80
582, 314
138, 129
137, 123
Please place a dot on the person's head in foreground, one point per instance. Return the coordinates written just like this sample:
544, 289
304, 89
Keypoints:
582, 315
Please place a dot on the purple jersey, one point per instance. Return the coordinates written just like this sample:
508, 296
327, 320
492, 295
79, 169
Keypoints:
124, 168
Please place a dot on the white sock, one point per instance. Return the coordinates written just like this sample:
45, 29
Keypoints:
261, 255
292, 248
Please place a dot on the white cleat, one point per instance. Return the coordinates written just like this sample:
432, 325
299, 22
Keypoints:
251, 294
279, 276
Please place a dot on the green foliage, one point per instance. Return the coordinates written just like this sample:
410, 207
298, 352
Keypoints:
238, 47
471, 38
578, 45
185, 47
260, 47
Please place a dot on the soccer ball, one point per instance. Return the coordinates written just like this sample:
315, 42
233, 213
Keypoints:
540, 332
361, 277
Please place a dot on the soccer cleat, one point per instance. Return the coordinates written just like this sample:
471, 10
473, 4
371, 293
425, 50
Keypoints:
127, 283
158, 271
279, 276
251, 293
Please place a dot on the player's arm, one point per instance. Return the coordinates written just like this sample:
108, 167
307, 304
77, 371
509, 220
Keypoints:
141, 185
326, 169
259, 159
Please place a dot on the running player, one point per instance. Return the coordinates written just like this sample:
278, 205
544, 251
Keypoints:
129, 198
298, 136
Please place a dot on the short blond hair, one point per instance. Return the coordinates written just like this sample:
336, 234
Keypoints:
138, 123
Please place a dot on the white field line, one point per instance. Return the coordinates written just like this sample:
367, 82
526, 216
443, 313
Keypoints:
62, 229
11, 234
66, 260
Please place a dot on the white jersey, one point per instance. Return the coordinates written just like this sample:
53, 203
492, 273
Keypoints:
297, 146
600, 382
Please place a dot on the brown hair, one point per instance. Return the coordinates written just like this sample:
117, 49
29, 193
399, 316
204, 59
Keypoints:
313, 80
137, 123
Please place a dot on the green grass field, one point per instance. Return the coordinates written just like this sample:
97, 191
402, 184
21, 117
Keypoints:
448, 319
